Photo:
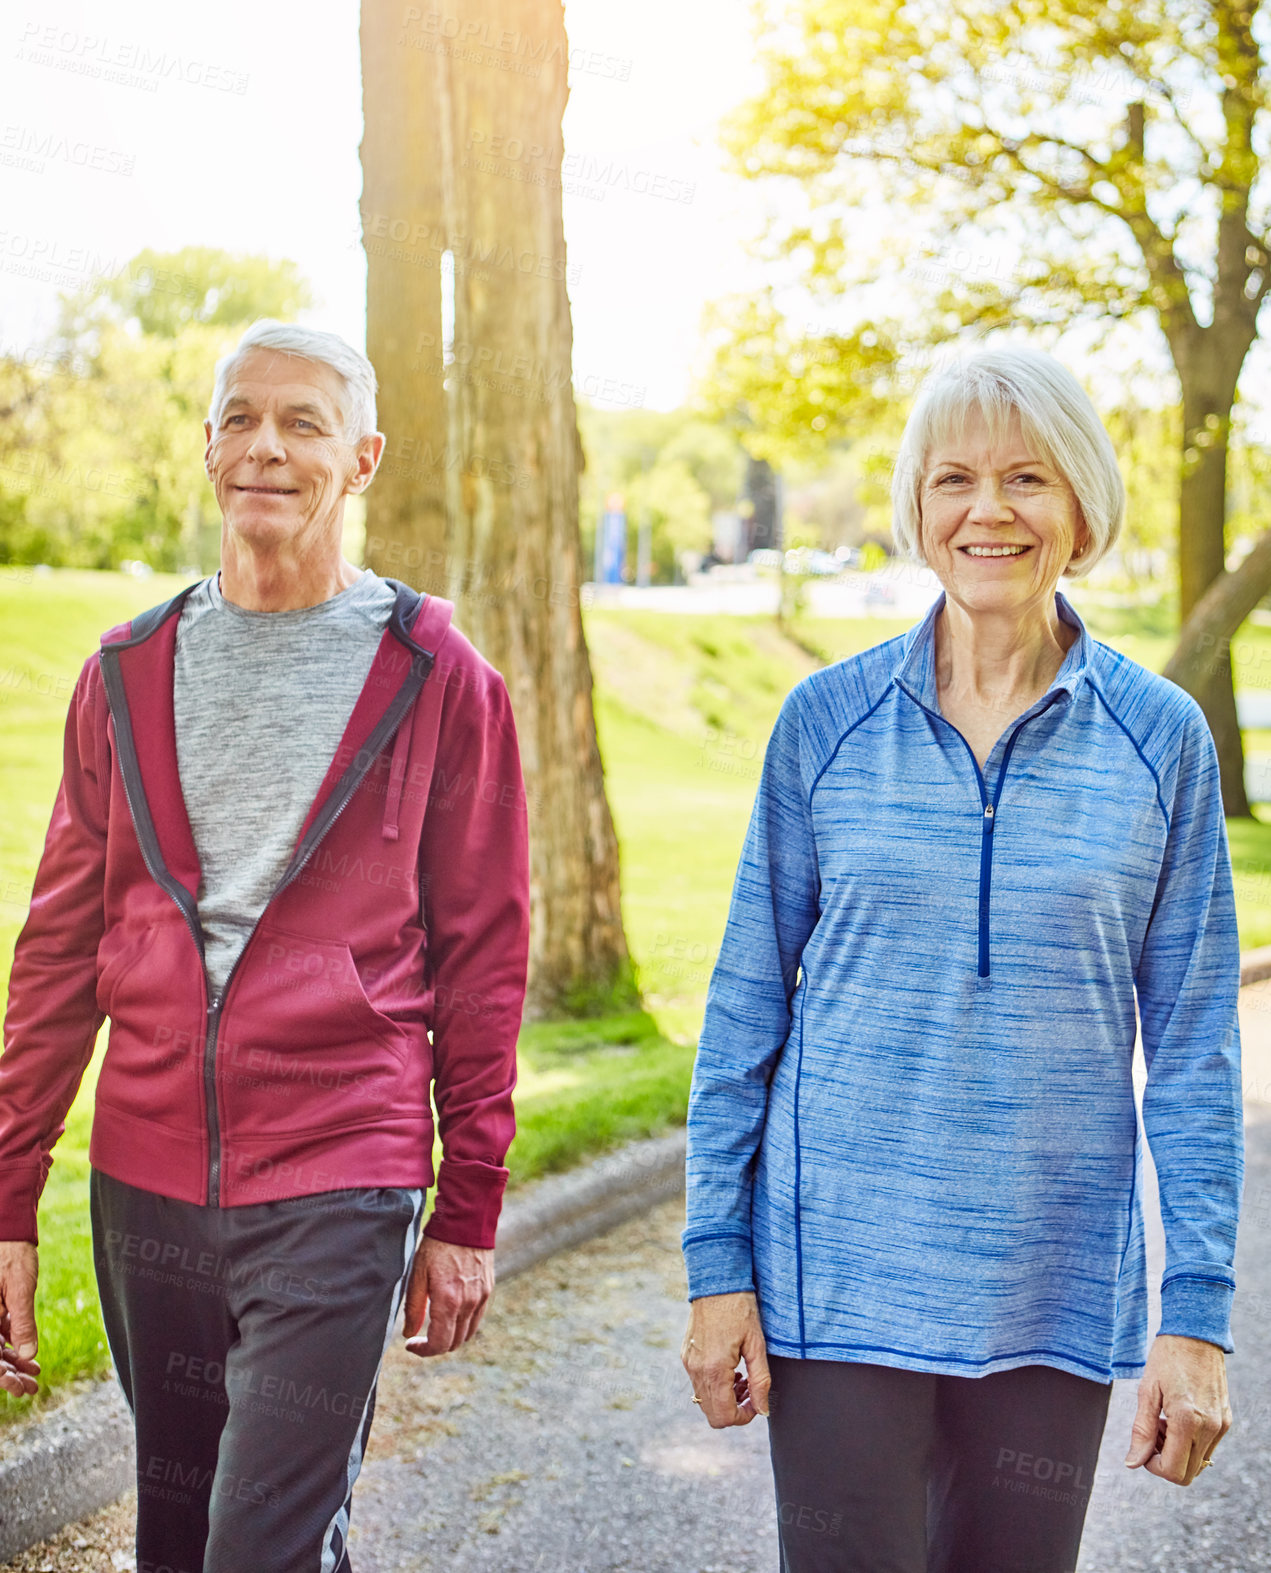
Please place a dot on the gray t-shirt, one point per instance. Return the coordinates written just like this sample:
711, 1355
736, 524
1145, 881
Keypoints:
261, 702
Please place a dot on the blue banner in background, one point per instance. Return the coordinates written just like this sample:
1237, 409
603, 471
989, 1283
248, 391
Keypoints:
613, 546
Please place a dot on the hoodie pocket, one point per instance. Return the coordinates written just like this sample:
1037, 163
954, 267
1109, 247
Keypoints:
150, 989
300, 1046
118, 952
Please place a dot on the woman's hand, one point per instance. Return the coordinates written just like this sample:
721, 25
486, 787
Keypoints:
723, 1329
1183, 1409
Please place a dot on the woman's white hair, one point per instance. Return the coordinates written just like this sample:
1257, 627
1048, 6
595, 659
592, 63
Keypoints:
1056, 418
356, 374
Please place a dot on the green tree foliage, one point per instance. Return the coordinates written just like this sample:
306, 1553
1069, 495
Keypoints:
788, 393
164, 293
1057, 162
101, 439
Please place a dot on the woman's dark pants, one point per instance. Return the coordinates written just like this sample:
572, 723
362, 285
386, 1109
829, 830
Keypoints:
880, 1470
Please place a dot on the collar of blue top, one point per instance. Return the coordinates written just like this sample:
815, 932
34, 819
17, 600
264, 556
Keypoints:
916, 673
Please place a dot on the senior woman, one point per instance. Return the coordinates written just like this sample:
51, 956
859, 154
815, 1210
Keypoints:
913, 1170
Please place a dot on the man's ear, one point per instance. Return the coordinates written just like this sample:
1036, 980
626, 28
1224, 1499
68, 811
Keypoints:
369, 453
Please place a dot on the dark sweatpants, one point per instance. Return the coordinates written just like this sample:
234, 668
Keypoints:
881, 1470
248, 1341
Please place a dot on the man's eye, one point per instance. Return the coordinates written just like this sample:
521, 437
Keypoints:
309, 424
230, 420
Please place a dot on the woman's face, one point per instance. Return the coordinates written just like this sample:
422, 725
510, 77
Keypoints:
998, 523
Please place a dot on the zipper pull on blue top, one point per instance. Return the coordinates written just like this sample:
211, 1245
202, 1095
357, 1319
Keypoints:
988, 815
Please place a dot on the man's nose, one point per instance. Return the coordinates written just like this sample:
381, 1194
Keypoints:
267, 442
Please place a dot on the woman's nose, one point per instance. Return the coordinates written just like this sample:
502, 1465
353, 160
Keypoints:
988, 502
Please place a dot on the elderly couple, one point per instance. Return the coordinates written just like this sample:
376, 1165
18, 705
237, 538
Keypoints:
914, 1233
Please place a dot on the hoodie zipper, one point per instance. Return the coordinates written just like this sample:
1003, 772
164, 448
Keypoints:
988, 819
214, 1014
381, 733
388, 724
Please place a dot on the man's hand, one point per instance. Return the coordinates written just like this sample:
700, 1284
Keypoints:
1183, 1409
723, 1329
453, 1283
19, 1341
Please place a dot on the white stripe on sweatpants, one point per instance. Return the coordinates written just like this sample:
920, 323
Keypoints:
340, 1520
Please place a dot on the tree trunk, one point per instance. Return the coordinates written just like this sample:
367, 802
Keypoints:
1201, 560
493, 396
403, 238
1201, 663
1202, 498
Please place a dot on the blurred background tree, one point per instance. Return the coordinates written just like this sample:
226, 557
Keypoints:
1060, 164
101, 430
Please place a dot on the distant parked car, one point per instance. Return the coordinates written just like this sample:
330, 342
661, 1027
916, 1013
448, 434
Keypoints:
809, 560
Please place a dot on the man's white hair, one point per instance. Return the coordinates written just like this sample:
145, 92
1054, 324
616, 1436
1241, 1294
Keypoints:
1056, 418
356, 374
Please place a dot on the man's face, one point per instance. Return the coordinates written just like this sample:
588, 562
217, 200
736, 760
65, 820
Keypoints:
277, 457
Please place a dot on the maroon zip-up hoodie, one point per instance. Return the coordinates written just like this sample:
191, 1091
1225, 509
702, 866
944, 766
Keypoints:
404, 909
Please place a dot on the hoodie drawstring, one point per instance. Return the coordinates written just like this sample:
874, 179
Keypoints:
397, 774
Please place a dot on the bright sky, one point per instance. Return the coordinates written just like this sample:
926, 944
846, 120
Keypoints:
145, 123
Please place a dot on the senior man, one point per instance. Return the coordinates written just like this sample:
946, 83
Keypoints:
288, 859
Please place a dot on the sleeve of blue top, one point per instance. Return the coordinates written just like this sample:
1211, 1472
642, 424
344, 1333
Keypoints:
1188, 980
774, 908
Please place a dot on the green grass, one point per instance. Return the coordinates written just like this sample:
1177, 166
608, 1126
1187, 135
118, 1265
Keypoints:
584, 1086
684, 706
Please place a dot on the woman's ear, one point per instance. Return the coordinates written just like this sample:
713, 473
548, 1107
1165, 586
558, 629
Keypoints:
1083, 542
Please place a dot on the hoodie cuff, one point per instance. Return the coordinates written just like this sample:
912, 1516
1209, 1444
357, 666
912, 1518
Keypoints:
1194, 1306
20, 1190
718, 1264
468, 1200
